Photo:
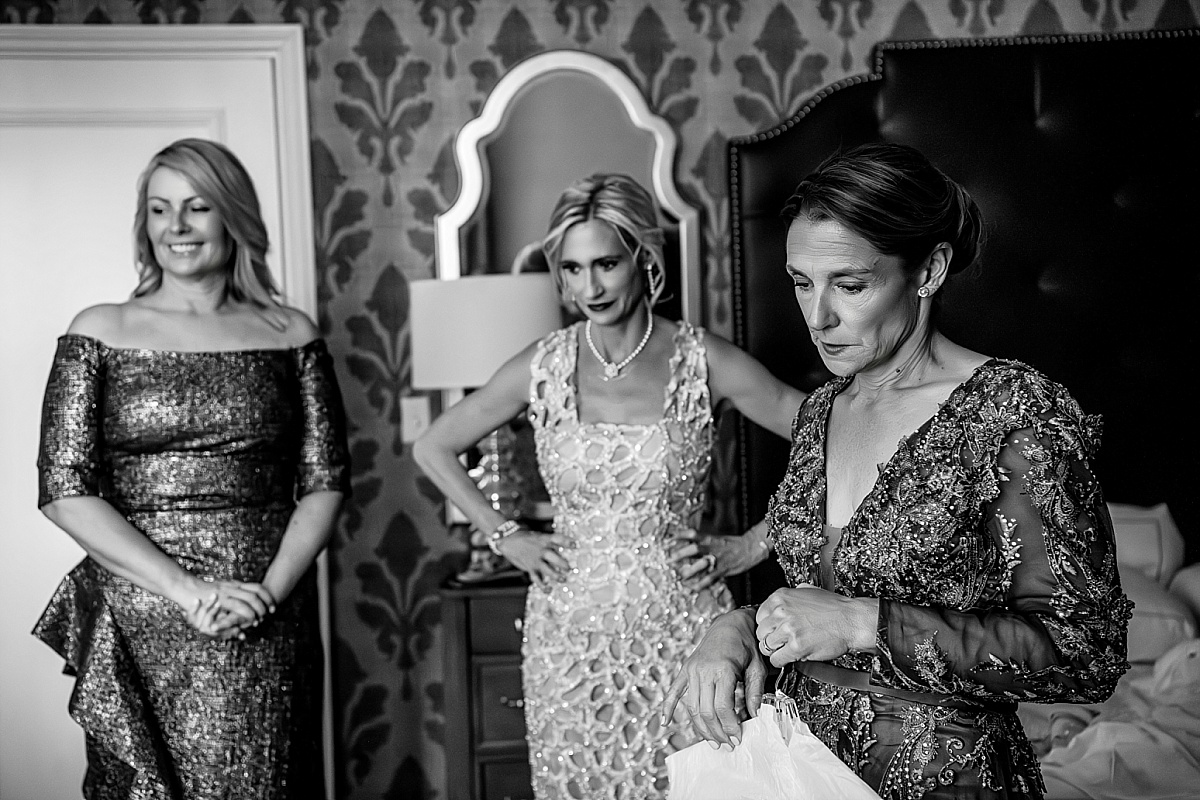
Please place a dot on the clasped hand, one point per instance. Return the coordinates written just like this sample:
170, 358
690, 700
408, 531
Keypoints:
226, 609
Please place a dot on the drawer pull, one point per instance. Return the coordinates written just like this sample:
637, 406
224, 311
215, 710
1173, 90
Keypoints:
518, 624
512, 703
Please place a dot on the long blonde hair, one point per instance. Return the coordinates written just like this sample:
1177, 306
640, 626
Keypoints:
620, 201
220, 178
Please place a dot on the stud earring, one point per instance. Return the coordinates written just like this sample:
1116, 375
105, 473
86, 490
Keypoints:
924, 291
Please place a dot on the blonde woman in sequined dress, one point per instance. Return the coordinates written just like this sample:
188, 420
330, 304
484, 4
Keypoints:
622, 409
935, 583
193, 444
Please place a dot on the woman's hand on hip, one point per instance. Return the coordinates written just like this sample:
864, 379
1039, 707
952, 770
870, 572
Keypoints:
707, 684
805, 623
538, 554
704, 559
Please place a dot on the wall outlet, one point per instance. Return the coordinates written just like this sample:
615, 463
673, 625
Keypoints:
414, 417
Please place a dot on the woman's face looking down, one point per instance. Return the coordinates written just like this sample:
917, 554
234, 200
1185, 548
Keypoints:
860, 305
599, 272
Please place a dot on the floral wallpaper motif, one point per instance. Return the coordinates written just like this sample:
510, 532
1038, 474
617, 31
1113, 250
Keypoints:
390, 82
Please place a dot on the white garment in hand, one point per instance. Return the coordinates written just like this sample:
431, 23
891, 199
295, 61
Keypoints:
778, 758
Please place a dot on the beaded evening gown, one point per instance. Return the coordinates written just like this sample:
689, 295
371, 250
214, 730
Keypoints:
205, 453
988, 542
602, 646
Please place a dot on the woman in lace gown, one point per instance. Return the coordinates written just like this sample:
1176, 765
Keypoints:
193, 444
938, 582
622, 409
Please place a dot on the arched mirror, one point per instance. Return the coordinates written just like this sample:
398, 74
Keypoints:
552, 119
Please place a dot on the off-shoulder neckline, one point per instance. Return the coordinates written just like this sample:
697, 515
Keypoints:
243, 351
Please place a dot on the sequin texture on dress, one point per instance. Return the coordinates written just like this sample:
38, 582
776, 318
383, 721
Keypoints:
602, 646
206, 453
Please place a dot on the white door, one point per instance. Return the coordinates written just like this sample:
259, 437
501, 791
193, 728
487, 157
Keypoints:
82, 109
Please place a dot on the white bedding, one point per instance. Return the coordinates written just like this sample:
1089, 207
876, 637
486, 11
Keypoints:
1143, 743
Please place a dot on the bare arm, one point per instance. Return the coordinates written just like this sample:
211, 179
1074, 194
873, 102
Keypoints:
735, 375
122, 549
109, 539
308, 531
462, 425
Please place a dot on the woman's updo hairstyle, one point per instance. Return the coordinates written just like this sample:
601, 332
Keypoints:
892, 196
620, 201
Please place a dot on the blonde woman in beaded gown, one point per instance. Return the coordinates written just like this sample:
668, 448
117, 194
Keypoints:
621, 404
193, 444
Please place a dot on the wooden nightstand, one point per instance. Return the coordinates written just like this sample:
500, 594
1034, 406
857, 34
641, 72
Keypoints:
486, 754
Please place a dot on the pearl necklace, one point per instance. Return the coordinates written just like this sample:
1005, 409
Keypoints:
612, 369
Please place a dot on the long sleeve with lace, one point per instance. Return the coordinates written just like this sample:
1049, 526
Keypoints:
988, 542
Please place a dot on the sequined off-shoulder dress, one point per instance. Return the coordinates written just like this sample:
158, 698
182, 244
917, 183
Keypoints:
206, 453
602, 646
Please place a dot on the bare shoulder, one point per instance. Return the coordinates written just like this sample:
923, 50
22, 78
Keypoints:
300, 328
103, 322
723, 353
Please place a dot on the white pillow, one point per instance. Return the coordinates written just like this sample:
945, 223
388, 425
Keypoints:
1160, 621
1147, 540
1186, 586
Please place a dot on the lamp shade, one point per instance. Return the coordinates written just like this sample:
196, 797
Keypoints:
464, 329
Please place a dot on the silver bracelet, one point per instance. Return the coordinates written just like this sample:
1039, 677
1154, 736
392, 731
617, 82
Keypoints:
503, 531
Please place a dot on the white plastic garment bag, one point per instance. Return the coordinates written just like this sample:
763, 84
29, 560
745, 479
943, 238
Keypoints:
778, 758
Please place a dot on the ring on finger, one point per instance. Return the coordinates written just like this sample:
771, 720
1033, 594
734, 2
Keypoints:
710, 562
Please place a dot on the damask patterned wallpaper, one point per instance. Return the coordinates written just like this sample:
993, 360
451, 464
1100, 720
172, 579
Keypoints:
390, 81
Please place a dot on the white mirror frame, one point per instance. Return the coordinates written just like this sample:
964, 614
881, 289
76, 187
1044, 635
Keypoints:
473, 177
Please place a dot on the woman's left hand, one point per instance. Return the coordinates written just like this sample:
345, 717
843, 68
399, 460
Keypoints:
805, 623
704, 559
208, 617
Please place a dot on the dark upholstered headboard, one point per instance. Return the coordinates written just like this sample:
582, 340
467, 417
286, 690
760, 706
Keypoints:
1083, 153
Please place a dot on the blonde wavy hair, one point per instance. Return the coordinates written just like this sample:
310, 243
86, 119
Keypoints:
220, 178
620, 201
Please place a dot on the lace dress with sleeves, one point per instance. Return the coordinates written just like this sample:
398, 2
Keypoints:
602, 646
206, 454
987, 540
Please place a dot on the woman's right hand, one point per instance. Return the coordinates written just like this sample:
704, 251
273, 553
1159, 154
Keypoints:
225, 609
726, 658
537, 554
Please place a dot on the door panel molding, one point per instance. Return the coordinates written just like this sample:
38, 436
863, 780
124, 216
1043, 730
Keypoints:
281, 46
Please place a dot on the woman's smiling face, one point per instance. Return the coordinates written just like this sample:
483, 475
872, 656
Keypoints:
187, 233
859, 304
600, 273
